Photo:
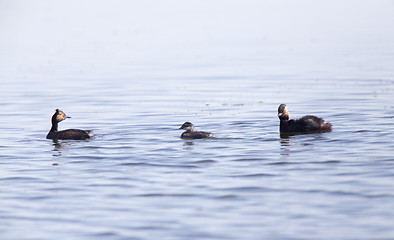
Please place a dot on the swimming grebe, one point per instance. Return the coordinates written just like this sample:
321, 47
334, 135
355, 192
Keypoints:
74, 134
191, 134
305, 124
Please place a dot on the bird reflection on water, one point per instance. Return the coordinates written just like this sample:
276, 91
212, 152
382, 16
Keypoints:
188, 145
285, 146
58, 148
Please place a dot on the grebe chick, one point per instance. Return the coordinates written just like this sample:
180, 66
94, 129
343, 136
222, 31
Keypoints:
305, 124
191, 134
74, 134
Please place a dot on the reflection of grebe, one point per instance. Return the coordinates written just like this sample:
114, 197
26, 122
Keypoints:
285, 142
74, 134
285, 146
191, 134
305, 124
57, 148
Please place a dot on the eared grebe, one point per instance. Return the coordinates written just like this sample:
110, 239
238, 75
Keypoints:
191, 134
305, 124
75, 134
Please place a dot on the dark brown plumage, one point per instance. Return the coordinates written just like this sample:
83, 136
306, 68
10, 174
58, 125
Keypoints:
74, 134
305, 124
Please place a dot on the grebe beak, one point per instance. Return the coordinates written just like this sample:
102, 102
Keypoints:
68, 117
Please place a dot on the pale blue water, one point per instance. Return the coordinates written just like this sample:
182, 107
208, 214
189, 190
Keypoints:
134, 83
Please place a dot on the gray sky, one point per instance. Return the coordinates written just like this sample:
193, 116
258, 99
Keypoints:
121, 30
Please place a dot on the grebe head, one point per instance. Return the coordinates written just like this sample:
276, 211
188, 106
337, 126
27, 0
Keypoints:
283, 114
188, 126
59, 116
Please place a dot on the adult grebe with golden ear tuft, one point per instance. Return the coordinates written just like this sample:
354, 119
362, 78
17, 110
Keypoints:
73, 134
305, 124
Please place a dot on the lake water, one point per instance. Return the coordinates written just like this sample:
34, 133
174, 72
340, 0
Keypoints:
135, 78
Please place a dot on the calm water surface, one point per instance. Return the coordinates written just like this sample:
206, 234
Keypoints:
136, 179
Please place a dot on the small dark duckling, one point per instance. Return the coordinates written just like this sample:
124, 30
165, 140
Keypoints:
305, 124
74, 134
191, 134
